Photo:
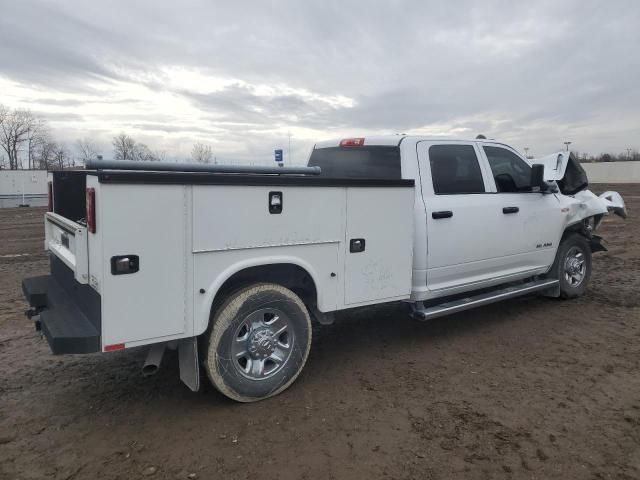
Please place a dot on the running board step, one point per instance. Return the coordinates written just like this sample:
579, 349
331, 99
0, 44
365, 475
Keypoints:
420, 312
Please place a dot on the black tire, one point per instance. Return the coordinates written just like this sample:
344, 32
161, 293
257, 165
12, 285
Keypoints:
258, 343
573, 249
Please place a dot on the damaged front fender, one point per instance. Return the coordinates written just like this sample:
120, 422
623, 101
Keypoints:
586, 204
579, 203
614, 203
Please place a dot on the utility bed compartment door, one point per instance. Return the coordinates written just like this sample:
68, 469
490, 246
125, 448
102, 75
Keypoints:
67, 240
379, 244
150, 222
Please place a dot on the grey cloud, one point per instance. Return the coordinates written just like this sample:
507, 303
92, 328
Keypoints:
238, 103
55, 117
527, 71
67, 102
169, 127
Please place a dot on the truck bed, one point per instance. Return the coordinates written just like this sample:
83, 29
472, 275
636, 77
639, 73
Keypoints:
190, 232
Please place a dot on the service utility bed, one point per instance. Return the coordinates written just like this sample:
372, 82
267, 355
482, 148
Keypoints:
182, 235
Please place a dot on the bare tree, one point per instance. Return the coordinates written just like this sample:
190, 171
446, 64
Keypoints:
15, 126
201, 153
35, 135
86, 148
62, 157
143, 153
160, 155
4, 114
45, 154
126, 148
123, 147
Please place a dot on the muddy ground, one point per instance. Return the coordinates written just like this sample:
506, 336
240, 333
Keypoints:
530, 388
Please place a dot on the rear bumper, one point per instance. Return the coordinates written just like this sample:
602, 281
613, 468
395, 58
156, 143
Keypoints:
69, 312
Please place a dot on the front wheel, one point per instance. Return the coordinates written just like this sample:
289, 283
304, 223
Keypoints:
259, 342
572, 266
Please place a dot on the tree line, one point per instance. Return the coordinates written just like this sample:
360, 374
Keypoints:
27, 143
631, 155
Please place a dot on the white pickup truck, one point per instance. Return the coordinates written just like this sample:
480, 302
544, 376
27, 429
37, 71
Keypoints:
230, 265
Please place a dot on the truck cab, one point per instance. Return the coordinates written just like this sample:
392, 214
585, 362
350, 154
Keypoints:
477, 220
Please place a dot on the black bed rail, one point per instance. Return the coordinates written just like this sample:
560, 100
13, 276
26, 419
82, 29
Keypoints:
197, 167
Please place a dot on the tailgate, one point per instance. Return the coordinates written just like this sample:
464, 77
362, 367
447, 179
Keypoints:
67, 240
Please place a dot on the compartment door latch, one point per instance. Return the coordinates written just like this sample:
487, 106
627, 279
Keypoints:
125, 264
356, 245
276, 201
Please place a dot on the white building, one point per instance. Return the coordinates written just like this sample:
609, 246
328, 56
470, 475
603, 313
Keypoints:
23, 187
612, 172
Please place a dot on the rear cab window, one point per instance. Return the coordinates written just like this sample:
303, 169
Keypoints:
455, 170
373, 162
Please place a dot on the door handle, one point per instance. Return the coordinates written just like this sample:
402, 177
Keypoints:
506, 210
442, 214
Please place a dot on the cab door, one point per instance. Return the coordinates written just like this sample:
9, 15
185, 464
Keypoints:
468, 242
538, 215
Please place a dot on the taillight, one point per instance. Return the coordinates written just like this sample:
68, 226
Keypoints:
91, 209
352, 142
50, 196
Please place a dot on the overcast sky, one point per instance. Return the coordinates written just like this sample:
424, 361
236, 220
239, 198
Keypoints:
240, 77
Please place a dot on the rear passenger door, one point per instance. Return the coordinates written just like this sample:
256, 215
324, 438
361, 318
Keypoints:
468, 245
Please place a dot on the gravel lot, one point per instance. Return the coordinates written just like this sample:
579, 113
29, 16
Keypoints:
530, 388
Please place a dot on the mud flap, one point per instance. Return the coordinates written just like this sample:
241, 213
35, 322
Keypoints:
188, 361
596, 243
326, 318
553, 292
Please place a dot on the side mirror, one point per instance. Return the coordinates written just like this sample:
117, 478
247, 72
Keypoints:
537, 178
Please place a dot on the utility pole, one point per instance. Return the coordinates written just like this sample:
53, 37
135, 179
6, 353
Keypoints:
567, 145
28, 150
628, 154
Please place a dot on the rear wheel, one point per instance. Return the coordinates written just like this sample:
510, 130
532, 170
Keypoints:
573, 266
259, 342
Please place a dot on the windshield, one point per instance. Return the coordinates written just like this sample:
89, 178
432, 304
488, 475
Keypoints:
379, 162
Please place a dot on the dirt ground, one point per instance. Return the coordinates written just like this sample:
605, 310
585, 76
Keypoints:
530, 388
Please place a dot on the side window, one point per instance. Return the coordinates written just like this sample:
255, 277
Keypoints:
455, 169
511, 173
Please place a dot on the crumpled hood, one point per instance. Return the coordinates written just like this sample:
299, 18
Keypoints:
555, 165
565, 169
